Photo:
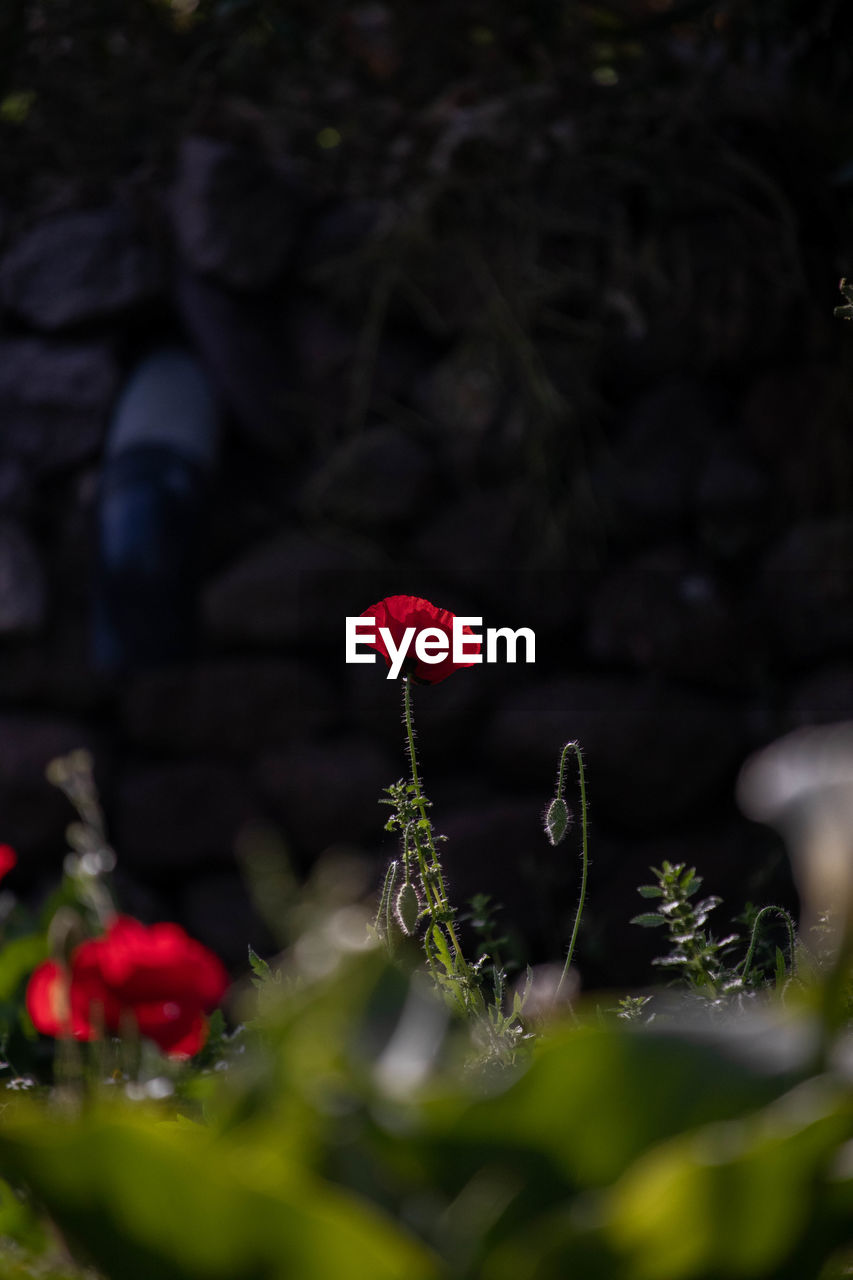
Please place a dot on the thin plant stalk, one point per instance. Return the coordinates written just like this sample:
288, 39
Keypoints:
783, 914
434, 881
433, 878
575, 746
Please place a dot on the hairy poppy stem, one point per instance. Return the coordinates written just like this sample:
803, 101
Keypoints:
436, 880
575, 746
792, 945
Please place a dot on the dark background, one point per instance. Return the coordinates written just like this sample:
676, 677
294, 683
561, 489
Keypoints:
526, 309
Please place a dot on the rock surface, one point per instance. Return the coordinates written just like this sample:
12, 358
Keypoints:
328, 793
23, 591
824, 696
54, 398
379, 478
233, 217
805, 599
656, 753
293, 587
235, 706
665, 531
76, 267
668, 612
219, 912
34, 813
172, 819
497, 846
649, 484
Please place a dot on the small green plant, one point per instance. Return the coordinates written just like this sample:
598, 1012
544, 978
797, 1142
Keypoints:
701, 961
414, 901
556, 826
482, 920
845, 311
632, 1008
351, 1125
763, 957
699, 958
367, 1118
414, 896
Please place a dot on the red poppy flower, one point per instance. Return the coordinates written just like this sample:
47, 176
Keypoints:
157, 977
8, 859
399, 614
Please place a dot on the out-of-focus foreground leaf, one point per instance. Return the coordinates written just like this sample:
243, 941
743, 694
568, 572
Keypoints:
761, 1197
143, 1199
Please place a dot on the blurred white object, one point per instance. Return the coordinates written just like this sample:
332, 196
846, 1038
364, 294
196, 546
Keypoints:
803, 786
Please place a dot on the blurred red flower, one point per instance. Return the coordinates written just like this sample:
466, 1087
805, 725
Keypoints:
8, 859
155, 977
397, 613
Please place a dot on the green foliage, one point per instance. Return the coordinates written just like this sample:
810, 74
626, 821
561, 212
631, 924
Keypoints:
350, 1139
143, 1197
695, 955
366, 1118
630, 1008
490, 941
262, 973
845, 312
707, 967
473, 990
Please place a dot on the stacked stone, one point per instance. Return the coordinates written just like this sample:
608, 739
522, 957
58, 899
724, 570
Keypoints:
686, 574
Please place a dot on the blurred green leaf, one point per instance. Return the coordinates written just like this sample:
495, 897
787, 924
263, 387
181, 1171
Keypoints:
742, 1198
593, 1100
259, 967
15, 107
733, 1199
18, 1220
18, 958
144, 1199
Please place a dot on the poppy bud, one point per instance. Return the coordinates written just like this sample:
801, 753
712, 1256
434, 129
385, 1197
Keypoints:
407, 909
557, 820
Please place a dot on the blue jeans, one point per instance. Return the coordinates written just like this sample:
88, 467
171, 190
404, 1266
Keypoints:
150, 515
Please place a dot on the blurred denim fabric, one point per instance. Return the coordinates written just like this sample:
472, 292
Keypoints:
161, 449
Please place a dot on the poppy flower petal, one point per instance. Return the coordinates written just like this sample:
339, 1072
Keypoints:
146, 964
169, 1023
191, 1040
44, 998
8, 859
156, 979
398, 613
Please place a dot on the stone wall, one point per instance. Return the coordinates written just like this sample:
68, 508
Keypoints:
675, 524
